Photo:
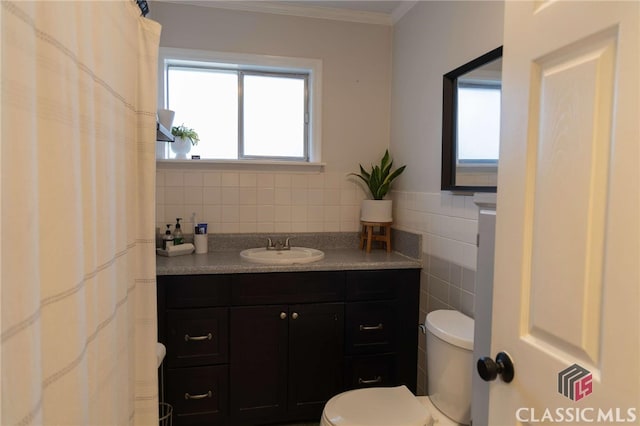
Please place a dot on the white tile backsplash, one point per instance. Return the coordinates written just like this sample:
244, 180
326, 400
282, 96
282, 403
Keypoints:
193, 179
266, 196
248, 196
230, 179
211, 179
448, 223
316, 202
248, 180
256, 201
266, 181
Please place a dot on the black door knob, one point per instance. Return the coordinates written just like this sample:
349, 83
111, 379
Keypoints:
489, 369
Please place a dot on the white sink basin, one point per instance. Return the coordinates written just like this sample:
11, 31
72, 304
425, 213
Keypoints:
282, 257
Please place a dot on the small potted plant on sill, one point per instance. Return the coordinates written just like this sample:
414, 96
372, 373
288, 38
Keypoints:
378, 182
185, 137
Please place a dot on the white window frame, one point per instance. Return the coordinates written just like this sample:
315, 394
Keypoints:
264, 63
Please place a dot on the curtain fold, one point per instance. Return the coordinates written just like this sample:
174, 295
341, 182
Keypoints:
78, 293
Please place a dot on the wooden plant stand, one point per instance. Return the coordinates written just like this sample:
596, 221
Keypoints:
369, 234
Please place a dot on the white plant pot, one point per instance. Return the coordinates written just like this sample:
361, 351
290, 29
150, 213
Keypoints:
181, 146
376, 211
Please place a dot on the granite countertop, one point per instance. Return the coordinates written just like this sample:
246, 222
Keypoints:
230, 262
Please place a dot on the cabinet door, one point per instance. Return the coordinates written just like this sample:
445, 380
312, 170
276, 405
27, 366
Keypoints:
316, 340
258, 354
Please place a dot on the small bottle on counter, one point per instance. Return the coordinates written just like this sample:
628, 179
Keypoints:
167, 238
178, 238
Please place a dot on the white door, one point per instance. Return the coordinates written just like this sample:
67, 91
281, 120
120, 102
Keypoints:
567, 266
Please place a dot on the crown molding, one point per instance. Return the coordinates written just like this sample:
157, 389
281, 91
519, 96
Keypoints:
401, 10
284, 8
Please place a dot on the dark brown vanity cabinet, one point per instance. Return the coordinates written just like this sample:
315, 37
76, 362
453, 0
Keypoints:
252, 349
287, 360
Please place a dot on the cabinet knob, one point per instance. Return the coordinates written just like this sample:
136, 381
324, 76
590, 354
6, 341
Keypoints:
294, 315
283, 315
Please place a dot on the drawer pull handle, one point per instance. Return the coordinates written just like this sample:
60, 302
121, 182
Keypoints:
197, 338
378, 379
371, 327
201, 396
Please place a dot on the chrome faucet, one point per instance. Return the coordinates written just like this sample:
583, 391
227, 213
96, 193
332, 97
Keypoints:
279, 245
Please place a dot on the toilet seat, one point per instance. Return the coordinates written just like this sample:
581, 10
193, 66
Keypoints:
376, 407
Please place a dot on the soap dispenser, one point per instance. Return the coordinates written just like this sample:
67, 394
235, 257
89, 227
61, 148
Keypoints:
167, 238
178, 238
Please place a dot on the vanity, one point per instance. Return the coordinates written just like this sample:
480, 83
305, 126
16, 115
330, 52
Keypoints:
255, 344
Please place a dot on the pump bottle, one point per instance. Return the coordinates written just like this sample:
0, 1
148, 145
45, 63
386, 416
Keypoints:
178, 238
167, 238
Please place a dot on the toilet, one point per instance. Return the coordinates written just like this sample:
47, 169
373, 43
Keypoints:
449, 371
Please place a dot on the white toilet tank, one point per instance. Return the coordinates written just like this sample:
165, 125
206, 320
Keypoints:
450, 363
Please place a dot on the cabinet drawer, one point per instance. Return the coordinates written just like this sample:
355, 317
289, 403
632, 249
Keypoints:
199, 395
197, 336
287, 287
370, 371
373, 285
195, 291
370, 327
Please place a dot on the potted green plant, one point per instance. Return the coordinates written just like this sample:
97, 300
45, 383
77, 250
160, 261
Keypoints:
378, 182
185, 137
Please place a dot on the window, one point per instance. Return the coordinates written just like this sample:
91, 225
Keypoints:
244, 107
478, 121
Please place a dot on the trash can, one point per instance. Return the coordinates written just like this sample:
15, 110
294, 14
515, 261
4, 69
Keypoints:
165, 415
165, 410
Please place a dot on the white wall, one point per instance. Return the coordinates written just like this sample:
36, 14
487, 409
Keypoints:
258, 201
433, 38
356, 67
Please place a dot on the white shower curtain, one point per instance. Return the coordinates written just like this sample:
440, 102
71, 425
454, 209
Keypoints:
78, 297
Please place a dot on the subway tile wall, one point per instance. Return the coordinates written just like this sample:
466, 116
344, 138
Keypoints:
249, 202
449, 225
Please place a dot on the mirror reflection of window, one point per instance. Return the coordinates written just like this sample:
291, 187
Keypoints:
471, 97
478, 125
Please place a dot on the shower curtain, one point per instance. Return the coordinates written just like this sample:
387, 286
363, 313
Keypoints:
78, 293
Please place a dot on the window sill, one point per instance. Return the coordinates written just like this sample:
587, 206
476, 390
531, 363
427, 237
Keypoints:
257, 165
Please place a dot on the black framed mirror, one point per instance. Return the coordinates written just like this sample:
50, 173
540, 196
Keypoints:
471, 124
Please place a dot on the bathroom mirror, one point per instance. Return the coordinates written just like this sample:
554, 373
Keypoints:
471, 124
